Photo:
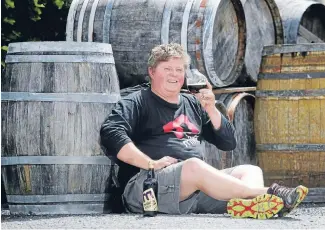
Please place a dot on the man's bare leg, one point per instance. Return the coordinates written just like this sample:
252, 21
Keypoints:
198, 175
237, 187
251, 175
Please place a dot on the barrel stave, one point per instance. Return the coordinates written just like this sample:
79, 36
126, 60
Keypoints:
263, 25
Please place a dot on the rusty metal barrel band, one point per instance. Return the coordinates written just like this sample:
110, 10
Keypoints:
291, 147
293, 48
108, 59
71, 19
62, 97
59, 47
185, 19
107, 21
291, 93
288, 76
52, 160
80, 20
277, 21
164, 38
198, 34
28, 199
91, 20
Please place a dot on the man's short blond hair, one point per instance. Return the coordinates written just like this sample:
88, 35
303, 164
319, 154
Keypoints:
164, 52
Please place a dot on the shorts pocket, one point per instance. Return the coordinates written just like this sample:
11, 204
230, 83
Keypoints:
133, 194
166, 189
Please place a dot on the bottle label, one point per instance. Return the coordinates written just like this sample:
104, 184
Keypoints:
149, 200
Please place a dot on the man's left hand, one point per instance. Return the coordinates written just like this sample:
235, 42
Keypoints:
206, 98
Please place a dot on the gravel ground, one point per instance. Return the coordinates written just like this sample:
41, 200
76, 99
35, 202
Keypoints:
307, 216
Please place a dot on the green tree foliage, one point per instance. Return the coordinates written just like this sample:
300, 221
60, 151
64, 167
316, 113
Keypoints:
32, 20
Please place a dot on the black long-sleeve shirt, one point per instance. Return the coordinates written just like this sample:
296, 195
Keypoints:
159, 128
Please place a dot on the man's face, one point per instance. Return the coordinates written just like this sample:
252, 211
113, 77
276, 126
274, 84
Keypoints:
168, 76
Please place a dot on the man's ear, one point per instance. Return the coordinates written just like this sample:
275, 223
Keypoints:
151, 72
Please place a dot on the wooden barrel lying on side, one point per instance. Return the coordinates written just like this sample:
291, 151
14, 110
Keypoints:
321, 1
264, 27
55, 96
212, 32
290, 115
240, 109
303, 21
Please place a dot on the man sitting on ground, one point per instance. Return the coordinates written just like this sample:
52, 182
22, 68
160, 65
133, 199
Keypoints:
164, 127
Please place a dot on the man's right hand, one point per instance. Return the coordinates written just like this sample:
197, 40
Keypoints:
131, 155
164, 162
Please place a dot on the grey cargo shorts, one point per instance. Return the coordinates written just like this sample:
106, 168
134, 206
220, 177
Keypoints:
168, 194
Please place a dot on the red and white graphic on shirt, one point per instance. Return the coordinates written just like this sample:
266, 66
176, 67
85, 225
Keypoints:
180, 126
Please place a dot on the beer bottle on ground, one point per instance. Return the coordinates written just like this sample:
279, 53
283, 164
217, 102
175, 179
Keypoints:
150, 193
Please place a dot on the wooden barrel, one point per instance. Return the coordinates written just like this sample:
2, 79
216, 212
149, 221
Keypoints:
212, 32
264, 27
290, 115
240, 109
303, 21
321, 1
55, 96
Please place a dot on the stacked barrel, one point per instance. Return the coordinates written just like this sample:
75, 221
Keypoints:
220, 36
55, 95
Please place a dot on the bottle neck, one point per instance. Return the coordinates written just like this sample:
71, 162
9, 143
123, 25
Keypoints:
151, 173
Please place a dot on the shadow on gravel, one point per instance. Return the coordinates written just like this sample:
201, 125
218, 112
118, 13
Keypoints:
218, 216
186, 216
13, 218
137, 217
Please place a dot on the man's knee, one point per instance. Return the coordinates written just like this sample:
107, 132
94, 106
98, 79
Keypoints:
254, 168
192, 168
242, 170
191, 177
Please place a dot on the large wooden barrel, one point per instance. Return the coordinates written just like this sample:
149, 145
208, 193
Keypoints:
264, 27
290, 115
212, 32
321, 1
303, 21
240, 109
55, 96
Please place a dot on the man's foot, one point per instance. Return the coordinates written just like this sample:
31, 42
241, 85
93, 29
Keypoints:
292, 197
261, 207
